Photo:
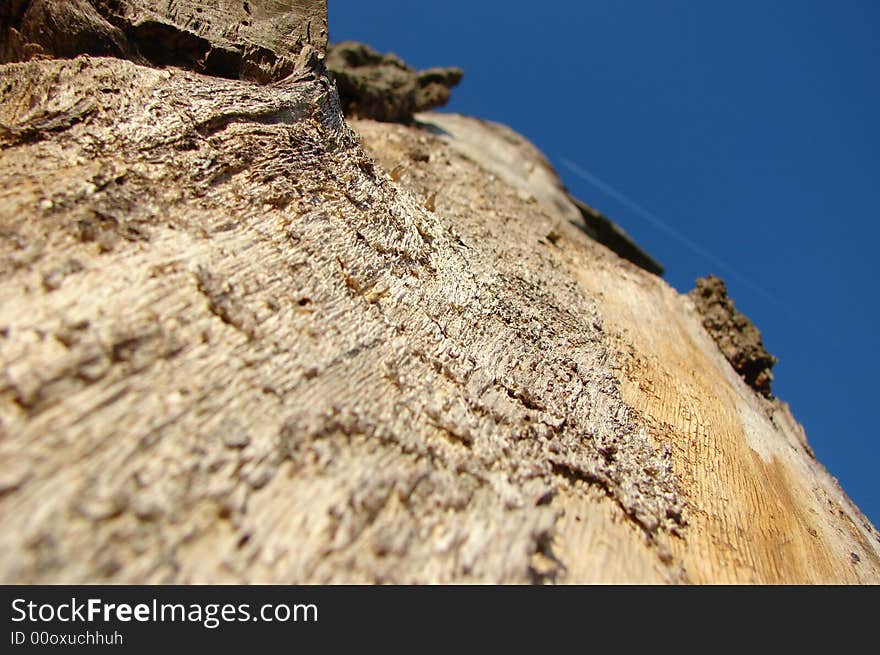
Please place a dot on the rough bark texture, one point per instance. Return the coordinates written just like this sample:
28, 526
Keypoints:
249, 39
240, 344
383, 87
737, 337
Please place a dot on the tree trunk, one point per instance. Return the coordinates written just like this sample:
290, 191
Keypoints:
241, 343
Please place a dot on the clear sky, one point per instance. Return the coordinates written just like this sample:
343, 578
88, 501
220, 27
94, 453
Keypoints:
738, 138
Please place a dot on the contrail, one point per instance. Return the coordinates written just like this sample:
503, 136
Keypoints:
671, 232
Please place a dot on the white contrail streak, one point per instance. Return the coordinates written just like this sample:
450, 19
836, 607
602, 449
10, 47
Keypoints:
668, 229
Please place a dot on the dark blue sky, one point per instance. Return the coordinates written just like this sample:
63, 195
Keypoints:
752, 128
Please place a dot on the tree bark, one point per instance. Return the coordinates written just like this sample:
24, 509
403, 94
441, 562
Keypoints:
242, 342
256, 40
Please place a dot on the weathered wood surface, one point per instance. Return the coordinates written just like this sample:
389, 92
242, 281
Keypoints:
236, 351
236, 348
257, 40
501, 151
759, 507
